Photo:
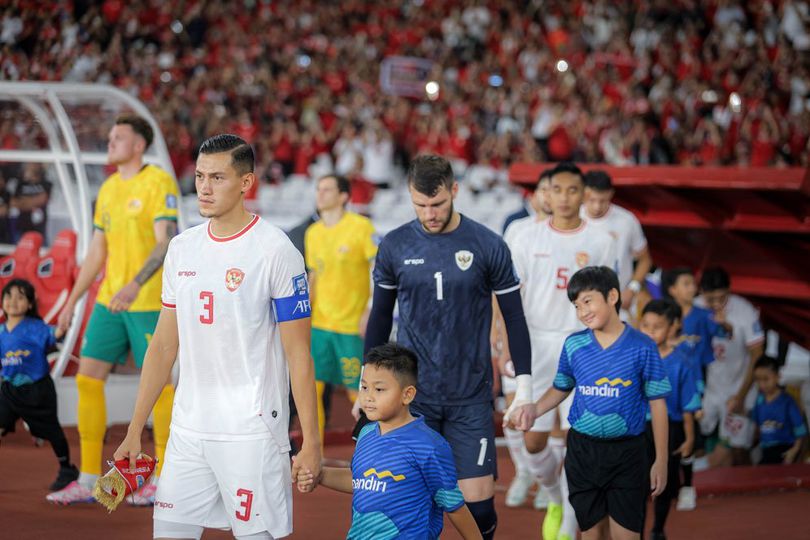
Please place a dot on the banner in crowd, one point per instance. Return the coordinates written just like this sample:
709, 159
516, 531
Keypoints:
405, 75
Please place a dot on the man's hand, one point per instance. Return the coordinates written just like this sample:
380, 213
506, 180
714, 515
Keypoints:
658, 477
125, 297
734, 405
521, 417
130, 448
627, 298
523, 396
307, 462
304, 478
65, 318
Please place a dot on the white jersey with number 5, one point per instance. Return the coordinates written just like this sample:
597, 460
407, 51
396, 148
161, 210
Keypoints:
545, 258
230, 295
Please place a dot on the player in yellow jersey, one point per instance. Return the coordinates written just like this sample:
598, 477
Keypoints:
135, 217
339, 250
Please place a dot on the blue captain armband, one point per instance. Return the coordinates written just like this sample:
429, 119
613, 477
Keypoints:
292, 308
296, 306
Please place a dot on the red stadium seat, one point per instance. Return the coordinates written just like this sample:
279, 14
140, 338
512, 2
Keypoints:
22, 261
55, 275
21, 264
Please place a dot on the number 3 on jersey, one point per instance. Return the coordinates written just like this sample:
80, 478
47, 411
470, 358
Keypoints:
208, 307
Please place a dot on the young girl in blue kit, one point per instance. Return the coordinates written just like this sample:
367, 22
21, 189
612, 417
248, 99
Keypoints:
27, 390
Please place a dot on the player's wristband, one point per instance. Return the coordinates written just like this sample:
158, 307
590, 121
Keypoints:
634, 286
523, 394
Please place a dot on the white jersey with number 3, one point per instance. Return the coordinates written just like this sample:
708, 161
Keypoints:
545, 258
230, 295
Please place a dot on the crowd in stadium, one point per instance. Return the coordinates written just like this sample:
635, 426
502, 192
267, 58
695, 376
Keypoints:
681, 82
721, 82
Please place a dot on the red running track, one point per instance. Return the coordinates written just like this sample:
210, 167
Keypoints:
26, 471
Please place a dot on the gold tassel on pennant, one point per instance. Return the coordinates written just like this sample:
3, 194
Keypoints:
121, 480
110, 490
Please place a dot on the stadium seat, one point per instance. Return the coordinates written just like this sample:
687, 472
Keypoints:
56, 272
21, 263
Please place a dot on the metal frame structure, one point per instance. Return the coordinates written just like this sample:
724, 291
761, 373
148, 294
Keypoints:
55, 121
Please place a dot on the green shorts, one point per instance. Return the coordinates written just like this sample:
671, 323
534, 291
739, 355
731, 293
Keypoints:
109, 336
337, 358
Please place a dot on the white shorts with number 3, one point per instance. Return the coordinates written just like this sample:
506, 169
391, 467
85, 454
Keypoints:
244, 486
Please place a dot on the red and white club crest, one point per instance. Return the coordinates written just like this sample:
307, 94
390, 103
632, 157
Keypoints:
582, 259
233, 278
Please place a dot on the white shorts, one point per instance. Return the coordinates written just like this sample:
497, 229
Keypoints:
715, 409
244, 486
546, 349
737, 431
714, 412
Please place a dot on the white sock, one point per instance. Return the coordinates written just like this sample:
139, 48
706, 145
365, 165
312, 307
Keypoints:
544, 466
517, 451
88, 480
557, 445
569, 518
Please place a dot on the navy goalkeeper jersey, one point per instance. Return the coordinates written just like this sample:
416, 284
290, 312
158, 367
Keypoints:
444, 285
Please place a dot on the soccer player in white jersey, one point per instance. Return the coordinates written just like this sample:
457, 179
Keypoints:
730, 376
631, 244
236, 310
546, 255
519, 488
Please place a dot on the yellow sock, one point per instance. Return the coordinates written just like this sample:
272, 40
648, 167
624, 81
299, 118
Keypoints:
320, 388
161, 418
92, 415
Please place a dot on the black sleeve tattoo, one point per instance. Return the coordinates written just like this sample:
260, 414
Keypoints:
155, 259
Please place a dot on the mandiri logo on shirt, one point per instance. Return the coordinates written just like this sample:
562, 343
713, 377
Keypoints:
770, 426
370, 483
15, 358
604, 387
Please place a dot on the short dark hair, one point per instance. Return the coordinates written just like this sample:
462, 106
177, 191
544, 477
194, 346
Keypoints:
242, 159
669, 277
598, 181
594, 278
139, 125
28, 291
664, 307
428, 173
343, 184
767, 362
399, 360
567, 167
714, 278
545, 174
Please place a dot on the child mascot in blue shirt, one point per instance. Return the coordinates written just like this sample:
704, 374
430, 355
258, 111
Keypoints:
617, 373
402, 476
657, 321
27, 390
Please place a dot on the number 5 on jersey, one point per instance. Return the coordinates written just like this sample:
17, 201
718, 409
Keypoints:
207, 316
562, 277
